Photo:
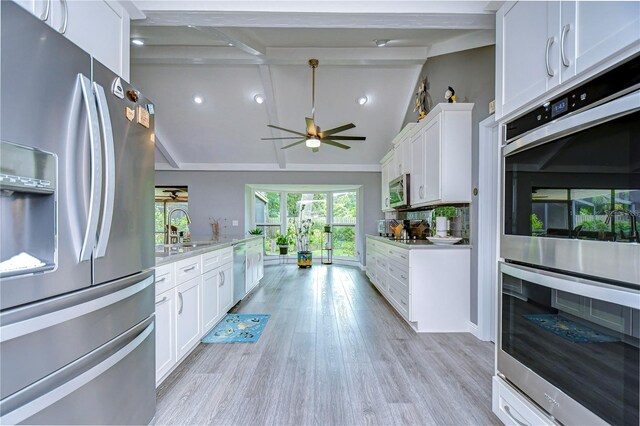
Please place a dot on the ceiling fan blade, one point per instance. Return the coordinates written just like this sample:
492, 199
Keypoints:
337, 144
287, 130
315, 149
275, 139
348, 138
337, 129
311, 126
293, 144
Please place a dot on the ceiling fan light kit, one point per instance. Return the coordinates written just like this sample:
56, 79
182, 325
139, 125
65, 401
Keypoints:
313, 137
259, 99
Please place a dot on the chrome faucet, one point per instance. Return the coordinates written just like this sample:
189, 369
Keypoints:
632, 218
168, 225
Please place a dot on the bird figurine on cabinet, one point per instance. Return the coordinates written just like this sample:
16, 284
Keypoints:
421, 100
450, 95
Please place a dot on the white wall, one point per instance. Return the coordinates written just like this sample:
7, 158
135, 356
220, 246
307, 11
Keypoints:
222, 195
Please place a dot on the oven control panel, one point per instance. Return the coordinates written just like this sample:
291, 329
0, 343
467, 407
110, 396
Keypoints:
621, 79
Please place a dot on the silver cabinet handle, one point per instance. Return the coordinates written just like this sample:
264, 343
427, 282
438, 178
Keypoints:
191, 268
386, 202
161, 279
47, 9
550, 41
421, 191
565, 30
65, 7
160, 302
224, 278
508, 412
96, 169
221, 275
181, 303
110, 170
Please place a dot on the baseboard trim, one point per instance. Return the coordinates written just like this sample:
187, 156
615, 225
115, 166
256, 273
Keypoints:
475, 330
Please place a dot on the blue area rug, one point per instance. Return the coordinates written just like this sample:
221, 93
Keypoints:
570, 330
238, 328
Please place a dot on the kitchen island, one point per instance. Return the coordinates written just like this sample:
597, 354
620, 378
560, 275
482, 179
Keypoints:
195, 289
427, 284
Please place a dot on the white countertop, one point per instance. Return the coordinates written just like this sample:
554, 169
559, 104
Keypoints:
419, 244
169, 253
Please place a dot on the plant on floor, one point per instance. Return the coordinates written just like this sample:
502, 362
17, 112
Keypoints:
256, 231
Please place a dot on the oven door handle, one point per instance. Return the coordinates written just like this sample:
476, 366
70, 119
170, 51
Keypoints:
573, 123
580, 286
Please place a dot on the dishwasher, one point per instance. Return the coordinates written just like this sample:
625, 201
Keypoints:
239, 272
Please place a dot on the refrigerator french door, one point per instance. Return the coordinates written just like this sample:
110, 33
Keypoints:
76, 335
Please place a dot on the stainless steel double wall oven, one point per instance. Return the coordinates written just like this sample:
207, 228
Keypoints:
570, 276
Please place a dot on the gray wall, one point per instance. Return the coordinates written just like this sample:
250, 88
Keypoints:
471, 73
222, 195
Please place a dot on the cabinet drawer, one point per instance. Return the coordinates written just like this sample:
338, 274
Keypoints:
227, 255
381, 262
165, 278
188, 269
400, 298
399, 255
211, 260
400, 274
513, 409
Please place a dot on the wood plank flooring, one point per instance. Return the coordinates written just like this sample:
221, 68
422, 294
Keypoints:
333, 353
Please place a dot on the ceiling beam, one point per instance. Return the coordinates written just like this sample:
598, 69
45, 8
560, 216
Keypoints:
235, 38
263, 167
166, 152
272, 113
468, 41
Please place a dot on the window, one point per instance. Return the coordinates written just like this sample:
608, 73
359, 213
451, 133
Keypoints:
168, 199
281, 211
267, 217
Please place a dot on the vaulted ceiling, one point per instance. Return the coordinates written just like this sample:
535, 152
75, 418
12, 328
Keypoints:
228, 52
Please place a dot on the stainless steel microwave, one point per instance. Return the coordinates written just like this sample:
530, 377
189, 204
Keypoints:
399, 192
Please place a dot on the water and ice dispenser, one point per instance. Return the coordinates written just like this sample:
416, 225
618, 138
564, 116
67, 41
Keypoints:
28, 210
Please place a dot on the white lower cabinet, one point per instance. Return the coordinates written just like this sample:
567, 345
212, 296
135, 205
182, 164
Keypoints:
210, 309
513, 409
165, 333
188, 319
225, 288
429, 287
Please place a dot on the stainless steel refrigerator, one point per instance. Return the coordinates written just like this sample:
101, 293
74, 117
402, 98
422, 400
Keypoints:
77, 340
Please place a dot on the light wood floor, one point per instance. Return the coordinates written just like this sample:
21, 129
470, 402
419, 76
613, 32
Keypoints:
333, 353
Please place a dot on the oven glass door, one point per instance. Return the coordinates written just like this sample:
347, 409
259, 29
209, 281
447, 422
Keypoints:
567, 186
581, 338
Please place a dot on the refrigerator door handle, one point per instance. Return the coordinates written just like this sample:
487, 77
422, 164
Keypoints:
43, 401
96, 169
47, 9
110, 170
36, 323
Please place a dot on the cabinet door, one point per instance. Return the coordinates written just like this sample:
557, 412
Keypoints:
397, 161
527, 40
210, 282
385, 186
432, 164
225, 289
417, 169
260, 265
96, 28
593, 31
406, 155
188, 318
165, 333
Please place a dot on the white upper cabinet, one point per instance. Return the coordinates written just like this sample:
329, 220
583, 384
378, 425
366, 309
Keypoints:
526, 52
386, 165
100, 28
441, 156
542, 46
595, 31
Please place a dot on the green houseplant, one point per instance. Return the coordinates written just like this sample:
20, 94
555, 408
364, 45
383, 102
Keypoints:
283, 241
256, 231
303, 235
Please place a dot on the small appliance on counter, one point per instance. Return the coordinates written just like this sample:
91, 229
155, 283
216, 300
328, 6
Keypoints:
399, 192
406, 229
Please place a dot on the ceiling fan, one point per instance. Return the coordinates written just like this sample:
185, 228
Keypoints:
172, 194
314, 137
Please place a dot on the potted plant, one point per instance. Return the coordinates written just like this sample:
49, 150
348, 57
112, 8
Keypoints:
256, 231
302, 242
283, 241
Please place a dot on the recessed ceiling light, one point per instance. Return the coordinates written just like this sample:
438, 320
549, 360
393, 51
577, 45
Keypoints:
362, 100
258, 98
137, 41
230, 44
381, 42
197, 99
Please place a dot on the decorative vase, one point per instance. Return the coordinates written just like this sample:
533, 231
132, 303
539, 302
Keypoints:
304, 259
284, 250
